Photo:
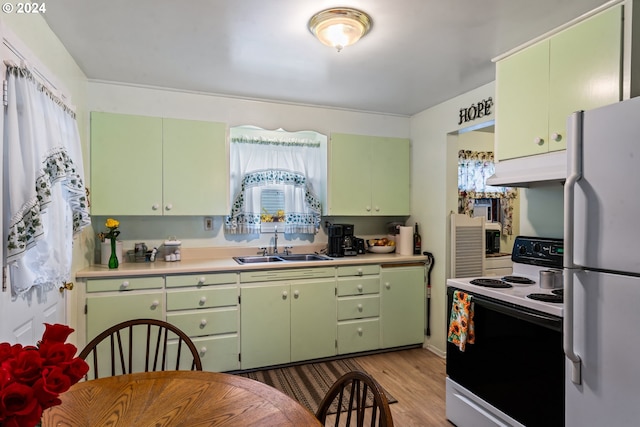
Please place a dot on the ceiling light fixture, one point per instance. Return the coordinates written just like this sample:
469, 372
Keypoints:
339, 27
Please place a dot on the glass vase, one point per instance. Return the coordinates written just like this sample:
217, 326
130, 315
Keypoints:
113, 259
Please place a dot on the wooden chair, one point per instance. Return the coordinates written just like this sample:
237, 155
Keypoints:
357, 397
129, 340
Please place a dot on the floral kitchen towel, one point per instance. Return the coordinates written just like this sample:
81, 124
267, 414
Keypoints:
461, 330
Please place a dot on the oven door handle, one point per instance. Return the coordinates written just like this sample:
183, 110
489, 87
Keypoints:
540, 319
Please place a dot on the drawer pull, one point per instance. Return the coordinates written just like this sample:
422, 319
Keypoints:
202, 280
155, 304
360, 331
203, 350
360, 288
203, 300
125, 284
203, 323
359, 272
296, 294
359, 307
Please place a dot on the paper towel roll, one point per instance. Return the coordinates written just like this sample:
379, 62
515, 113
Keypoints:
405, 244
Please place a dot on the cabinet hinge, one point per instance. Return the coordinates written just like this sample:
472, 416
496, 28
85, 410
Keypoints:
238, 299
86, 309
336, 343
239, 357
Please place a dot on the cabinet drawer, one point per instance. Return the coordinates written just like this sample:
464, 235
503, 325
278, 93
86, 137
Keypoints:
359, 335
201, 279
358, 307
286, 274
358, 286
217, 354
207, 297
358, 270
206, 322
125, 284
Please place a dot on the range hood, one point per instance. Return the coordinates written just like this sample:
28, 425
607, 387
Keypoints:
541, 169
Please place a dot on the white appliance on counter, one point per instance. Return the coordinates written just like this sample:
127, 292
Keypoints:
602, 267
513, 375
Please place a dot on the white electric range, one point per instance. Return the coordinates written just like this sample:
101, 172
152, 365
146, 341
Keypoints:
515, 366
530, 256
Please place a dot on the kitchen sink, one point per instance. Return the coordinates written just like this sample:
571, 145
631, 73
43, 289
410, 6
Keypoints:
305, 257
254, 259
279, 258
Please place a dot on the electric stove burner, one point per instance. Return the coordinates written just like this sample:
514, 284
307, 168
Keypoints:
518, 279
546, 297
558, 292
490, 283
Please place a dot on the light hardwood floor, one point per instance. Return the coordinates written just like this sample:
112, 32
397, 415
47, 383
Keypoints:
417, 379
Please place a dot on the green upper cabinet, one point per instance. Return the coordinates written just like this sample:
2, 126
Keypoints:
157, 166
539, 87
368, 175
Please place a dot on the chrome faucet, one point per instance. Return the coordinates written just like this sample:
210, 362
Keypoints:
275, 240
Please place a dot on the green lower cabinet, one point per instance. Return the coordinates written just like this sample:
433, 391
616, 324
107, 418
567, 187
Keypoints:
402, 306
358, 335
284, 322
217, 354
313, 324
106, 311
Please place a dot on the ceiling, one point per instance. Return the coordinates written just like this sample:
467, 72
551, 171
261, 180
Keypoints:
419, 53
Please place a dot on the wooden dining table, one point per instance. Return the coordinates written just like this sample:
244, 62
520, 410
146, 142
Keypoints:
176, 398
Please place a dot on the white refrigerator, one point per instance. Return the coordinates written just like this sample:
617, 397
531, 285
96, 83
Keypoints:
602, 267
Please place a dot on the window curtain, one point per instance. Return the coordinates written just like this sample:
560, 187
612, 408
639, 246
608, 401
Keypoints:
474, 167
45, 202
291, 162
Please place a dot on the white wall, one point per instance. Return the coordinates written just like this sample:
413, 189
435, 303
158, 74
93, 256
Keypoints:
433, 192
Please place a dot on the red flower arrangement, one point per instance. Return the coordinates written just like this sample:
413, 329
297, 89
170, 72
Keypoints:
32, 377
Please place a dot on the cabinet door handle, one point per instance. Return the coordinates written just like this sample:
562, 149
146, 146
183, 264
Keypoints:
203, 323
155, 207
203, 300
556, 137
125, 284
285, 294
377, 208
155, 304
203, 350
538, 141
387, 285
202, 280
169, 207
296, 293
368, 208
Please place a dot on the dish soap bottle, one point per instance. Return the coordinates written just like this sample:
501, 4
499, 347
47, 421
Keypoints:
417, 241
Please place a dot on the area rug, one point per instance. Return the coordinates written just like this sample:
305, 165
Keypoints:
308, 383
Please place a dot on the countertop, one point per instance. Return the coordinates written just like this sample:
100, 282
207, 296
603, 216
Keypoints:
218, 262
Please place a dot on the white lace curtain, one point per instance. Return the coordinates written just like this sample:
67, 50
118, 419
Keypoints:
291, 162
44, 195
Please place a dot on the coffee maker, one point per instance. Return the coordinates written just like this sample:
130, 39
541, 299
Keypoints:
342, 242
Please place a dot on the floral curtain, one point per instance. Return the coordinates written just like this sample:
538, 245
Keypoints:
290, 162
474, 167
44, 195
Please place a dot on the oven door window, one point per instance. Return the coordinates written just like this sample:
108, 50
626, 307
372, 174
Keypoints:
516, 363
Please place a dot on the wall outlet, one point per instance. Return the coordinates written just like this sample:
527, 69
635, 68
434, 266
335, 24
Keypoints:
208, 224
